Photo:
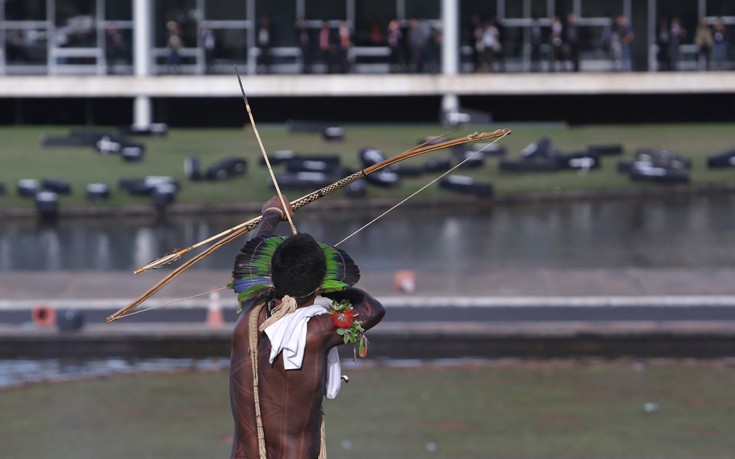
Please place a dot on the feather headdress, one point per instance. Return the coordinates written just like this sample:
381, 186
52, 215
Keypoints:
252, 273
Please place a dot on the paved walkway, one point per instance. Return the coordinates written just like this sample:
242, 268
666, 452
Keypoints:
517, 313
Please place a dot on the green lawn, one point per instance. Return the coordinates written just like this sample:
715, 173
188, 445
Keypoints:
23, 157
504, 410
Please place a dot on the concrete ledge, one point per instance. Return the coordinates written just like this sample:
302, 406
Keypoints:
397, 340
370, 85
410, 301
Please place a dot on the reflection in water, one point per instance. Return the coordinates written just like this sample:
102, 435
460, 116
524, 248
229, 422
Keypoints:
676, 232
21, 372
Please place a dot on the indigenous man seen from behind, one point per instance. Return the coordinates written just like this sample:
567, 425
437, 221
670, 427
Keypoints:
277, 396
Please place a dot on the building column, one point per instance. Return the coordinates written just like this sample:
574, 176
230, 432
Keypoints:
142, 112
450, 49
142, 30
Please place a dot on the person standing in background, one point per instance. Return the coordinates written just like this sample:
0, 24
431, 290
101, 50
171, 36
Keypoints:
327, 47
536, 45
303, 38
571, 42
676, 37
264, 41
116, 50
556, 40
418, 38
174, 45
343, 47
662, 42
208, 41
626, 37
704, 41
395, 43
719, 46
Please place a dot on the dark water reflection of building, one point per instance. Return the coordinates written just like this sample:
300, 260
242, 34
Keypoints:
681, 232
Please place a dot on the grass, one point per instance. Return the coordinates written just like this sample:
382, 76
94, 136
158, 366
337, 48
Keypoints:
24, 157
505, 410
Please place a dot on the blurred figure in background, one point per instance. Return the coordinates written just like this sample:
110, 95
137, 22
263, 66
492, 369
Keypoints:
571, 42
704, 41
327, 47
208, 41
344, 43
556, 41
116, 50
395, 43
303, 38
264, 40
488, 46
626, 37
676, 37
719, 46
536, 40
662, 41
418, 40
174, 45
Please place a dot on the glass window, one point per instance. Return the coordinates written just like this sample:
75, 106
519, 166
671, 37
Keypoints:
426, 9
281, 17
371, 21
563, 7
476, 8
230, 44
75, 24
183, 14
597, 9
26, 46
515, 10
720, 8
325, 9
685, 10
471, 15
25, 10
115, 10
225, 10
539, 9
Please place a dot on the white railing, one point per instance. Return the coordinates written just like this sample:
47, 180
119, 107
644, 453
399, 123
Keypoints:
277, 54
57, 66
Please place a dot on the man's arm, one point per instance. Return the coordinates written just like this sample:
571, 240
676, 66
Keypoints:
269, 221
272, 213
368, 311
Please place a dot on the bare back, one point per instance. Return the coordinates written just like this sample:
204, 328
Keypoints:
291, 401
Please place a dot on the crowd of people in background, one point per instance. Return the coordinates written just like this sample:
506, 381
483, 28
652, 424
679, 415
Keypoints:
710, 43
414, 45
413, 48
556, 44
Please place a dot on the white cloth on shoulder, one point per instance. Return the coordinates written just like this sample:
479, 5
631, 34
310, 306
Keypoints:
288, 335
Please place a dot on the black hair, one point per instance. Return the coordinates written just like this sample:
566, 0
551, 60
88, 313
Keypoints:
298, 267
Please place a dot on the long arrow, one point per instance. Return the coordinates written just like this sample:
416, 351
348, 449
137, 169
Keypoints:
237, 231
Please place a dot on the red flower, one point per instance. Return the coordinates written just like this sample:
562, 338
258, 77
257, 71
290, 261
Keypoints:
342, 319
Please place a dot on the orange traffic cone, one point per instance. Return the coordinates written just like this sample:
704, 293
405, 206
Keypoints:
214, 312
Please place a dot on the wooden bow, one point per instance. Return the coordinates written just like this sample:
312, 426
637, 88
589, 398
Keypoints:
237, 231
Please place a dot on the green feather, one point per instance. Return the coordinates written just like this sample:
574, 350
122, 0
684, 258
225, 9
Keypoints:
330, 285
252, 292
253, 264
342, 272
